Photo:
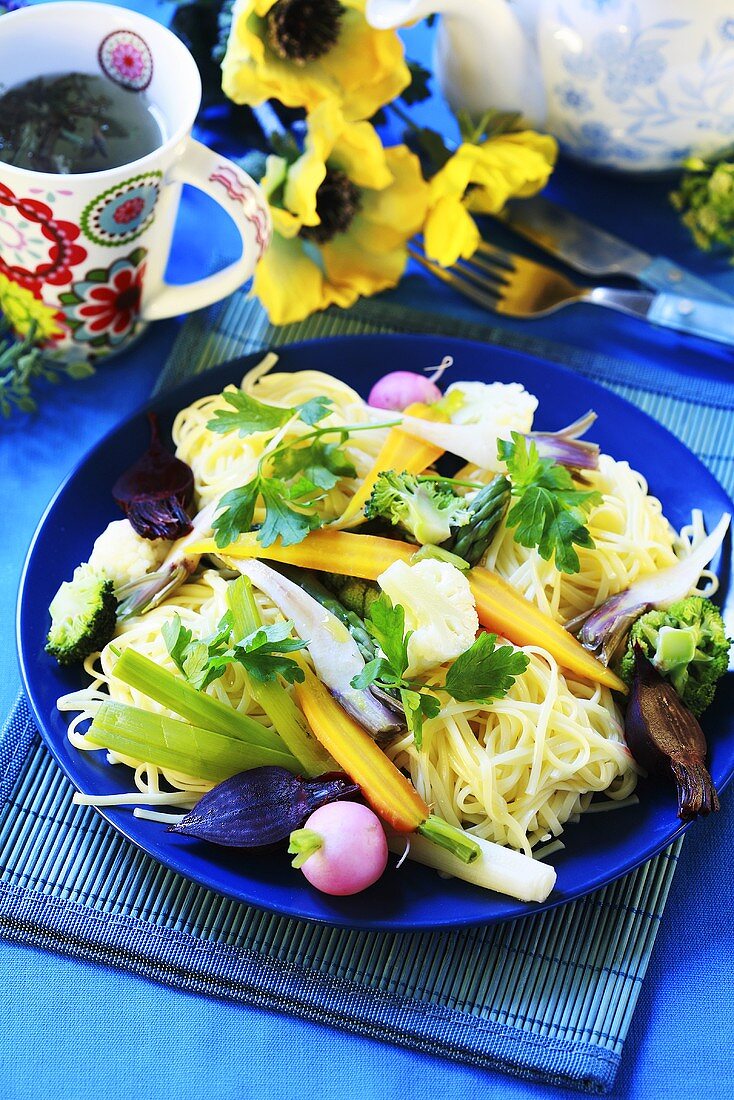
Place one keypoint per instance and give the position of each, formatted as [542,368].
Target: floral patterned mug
[83,255]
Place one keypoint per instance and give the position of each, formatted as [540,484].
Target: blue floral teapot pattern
[633,85]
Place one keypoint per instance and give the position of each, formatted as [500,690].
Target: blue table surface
[70,1029]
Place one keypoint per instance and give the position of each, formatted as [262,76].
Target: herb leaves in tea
[75,122]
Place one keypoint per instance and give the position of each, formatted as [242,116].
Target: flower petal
[449,232]
[288,283]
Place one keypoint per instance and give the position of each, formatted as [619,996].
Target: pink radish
[341,849]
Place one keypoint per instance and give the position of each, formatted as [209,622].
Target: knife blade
[594,252]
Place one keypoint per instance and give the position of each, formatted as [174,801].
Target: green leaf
[376,670]
[322,463]
[484,672]
[549,512]
[246,414]
[432,145]
[239,509]
[281,519]
[263,653]
[418,90]
[418,706]
[386,624]
[177,638]
[311,412]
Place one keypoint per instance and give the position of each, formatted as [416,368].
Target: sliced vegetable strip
[174,693]
[399,452]
[178,746]
[501,608]
[273,697]
[504,611]
[386,789]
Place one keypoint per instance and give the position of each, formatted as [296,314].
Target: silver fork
[506,283]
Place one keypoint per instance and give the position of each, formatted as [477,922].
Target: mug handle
[241,198]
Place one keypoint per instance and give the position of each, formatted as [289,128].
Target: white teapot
[634,85]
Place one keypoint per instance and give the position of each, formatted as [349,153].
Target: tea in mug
[76,122]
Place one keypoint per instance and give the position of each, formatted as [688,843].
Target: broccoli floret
[687,644]
[83,616]
[427,509]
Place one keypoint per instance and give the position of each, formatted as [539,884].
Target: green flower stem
[454,840]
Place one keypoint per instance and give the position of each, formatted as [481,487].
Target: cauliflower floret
[439,609]
[507,406]
[122,555]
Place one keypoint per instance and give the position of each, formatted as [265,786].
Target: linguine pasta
[513,771]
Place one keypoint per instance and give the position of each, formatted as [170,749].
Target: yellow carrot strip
[504,611]
[501,608]
[399,452]
[385,788]
[344,552]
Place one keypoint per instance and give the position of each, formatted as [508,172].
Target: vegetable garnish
[482,672]
[428,510]
[259,807]
[386,624]
[472,540]
[389,793]
[548,512]
[341,849]
[688,646]
[566,448]
[246,414]
[211,755]
[501,608]
[83,616]
[400,451]
[666,739]
[334,652]
[299,475]
[262,652]
[603,629]
[155,491]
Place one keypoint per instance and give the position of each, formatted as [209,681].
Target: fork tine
[496,255]
[485,297]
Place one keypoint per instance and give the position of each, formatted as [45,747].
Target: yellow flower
[342,216]
[302,52]
[22,309]
[481,178]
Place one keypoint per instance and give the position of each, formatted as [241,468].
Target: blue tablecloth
[70,1029]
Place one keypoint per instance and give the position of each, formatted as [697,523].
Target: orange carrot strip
[399,452]
[386,789]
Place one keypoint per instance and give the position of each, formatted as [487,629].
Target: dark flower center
[303,30]
[337,202]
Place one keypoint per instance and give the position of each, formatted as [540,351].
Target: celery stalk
[196,707]
[273,697]
[171,743]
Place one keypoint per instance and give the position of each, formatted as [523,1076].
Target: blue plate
[599,849]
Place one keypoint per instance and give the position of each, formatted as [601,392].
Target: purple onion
[260,806]
[565,447]
[155,491]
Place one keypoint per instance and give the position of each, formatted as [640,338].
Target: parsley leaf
[549,512]
[262,653]
[239,509]
[247,415]
[322,463]
[314,410]
[281,518]
[386,624]
[484,671]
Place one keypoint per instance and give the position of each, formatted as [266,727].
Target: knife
[594,252]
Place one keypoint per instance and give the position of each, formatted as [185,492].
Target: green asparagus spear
[355,594]
[471,541]
[310,583]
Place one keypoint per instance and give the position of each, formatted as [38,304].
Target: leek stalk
[273,697]
[178,746]
[196,707]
